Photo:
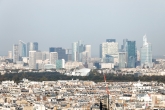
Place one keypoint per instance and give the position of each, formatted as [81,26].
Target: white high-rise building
[122,59]
[88,50]
[15,53]
[75,51]
[53,57]
[146,53]
[32,60]
[109,49]
[10,56]
[38,55]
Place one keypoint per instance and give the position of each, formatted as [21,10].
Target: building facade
[60,64]
[32,46]
[110,49]
[122,59]
[10,55]
[22,49]
[131,54]
[15,53]
[61,52]
[53,57]
[146,53]
[74,51]
[32,60]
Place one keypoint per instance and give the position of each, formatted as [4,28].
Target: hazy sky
[61,22]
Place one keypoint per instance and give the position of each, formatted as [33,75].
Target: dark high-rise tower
[61,52]
[131,54]
[110,40]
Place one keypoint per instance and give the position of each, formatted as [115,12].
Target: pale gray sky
[61,22]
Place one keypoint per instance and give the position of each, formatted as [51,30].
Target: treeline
[93,76]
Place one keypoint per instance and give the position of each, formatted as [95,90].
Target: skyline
[48,48]
[59,23]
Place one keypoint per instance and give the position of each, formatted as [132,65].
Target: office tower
[131,54]
[60,64]
[15,53]
[61,52]
[110,40]
[77,49]
[74,51]
[86,55]
[80,50]
[32,60]
[110,49]
[68,55]
[122,59]
[32,46]
[22,49]
[39,55]
[124,46]
[45,55]
[146,53]
[53,57]
[88,50]
[52,49]
[10,56]
[138,55]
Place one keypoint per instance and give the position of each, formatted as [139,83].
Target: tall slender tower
[32,60]
[22,49]
[146,53]
[131,54]
[53,57]
[15,53]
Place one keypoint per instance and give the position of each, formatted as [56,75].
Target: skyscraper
[15,53]
[10,55]
[53,57]
[61,52]
[22,49]
[124,46]
[32,46]
[75,51]
[86,55]
[109,49]
[122,59]
[52,49]
[32,60]
[88,50]
[146,53]
[131,54]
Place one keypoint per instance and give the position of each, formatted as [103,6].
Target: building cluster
[28,56]
[127,56]
[81,95]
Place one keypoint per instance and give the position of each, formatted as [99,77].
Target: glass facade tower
[22,49]
[131,54]
[146,53]
[32,46]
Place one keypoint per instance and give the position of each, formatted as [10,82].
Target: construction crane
[107,90]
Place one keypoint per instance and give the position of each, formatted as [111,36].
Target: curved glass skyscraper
[22,49]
